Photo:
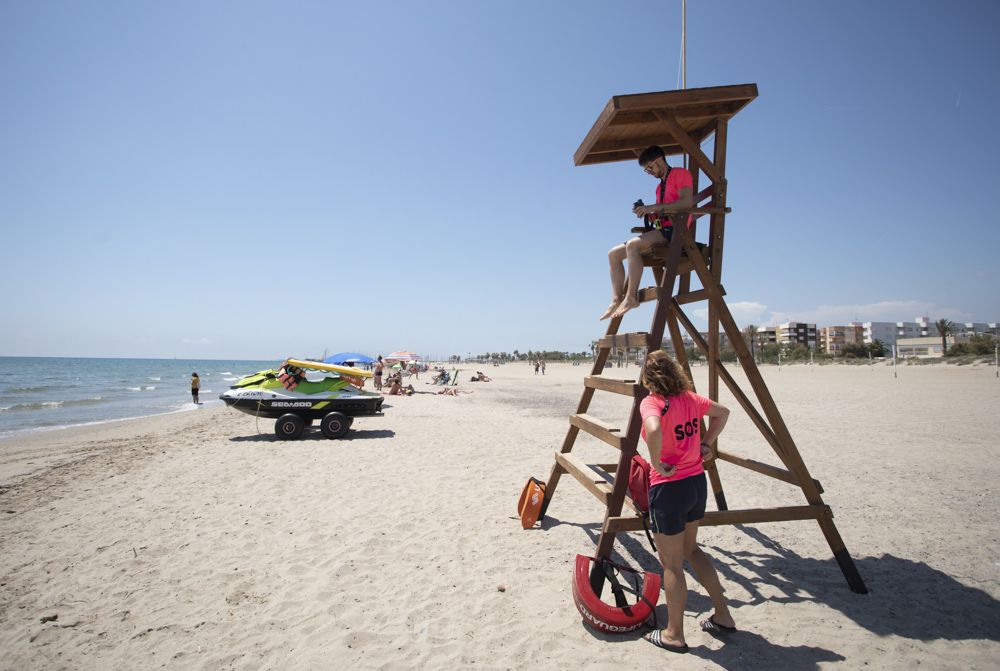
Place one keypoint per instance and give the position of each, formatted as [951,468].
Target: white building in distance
[882,331]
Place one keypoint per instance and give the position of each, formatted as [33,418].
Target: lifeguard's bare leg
[616,258]
[634,249]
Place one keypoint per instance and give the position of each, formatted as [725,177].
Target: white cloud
[196,341]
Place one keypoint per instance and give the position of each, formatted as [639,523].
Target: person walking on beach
[195,386]
[672,423]
[673,193]
[543,366]
[379,367]
[537,364]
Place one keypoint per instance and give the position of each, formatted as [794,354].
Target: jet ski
[287,395]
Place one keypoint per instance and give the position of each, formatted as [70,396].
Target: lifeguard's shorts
[673,504]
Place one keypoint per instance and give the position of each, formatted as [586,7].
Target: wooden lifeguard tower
[679,122]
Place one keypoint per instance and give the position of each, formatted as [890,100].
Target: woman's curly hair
[662,375]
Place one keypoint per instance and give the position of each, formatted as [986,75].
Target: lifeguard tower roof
[628,124]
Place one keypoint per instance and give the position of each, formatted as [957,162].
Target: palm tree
[750,333]
[945,328]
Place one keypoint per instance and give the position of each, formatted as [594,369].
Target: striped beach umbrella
[402,355]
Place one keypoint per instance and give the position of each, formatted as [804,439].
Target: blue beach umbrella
[348,357]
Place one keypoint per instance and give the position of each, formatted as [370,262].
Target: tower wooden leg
[843,557]
[716,482]
[681,356]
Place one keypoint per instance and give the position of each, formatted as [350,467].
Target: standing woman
[195,386]
[379,367]
[672,423]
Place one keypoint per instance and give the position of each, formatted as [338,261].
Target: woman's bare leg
[709,579]
[671,551]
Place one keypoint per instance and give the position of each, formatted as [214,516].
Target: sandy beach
[198,540]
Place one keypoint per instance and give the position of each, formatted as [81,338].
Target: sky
[261,180]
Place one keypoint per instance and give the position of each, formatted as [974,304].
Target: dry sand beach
[193,541]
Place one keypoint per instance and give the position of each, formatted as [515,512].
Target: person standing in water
[195,386]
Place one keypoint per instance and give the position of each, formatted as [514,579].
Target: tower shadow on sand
[908,598]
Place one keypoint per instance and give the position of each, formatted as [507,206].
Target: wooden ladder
[682,257]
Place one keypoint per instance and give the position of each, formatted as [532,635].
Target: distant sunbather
[453,391]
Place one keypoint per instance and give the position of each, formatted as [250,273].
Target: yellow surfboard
[331,368]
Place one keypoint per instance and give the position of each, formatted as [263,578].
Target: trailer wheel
[335,425]
[289,427]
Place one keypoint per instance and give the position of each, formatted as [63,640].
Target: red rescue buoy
[610,619]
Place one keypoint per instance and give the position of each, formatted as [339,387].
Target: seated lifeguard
[674,193]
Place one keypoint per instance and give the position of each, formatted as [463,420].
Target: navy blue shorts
[673,504]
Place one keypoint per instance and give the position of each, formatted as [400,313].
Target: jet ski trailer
[286,395]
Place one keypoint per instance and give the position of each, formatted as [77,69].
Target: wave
[48,405]
[28,390]
[146,388]
[227,372]
[154,379]
[230,379]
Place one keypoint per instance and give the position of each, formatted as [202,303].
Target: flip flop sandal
[712,627]
[655,638]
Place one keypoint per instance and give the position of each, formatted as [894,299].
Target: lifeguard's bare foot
[626,305]
[611,309]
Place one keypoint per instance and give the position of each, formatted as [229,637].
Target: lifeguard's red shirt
[681,429]
[669,191]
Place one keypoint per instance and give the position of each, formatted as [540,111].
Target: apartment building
[977,328]
[911,330]
[767,335]
[881,331]
[797,332]
[833,338]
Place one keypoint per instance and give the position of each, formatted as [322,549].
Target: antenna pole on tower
[684,71]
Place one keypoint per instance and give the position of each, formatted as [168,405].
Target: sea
[42,393]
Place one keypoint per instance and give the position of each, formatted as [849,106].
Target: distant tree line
[980,344]
[791,352]
[516,355]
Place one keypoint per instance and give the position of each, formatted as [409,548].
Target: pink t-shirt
[681,429]
[670,190]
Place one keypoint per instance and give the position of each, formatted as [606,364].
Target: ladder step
[624,340]
[648,294]
[696,296]
[720,517]
[622,523]
[625,387]
[598,429]
[586,477]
